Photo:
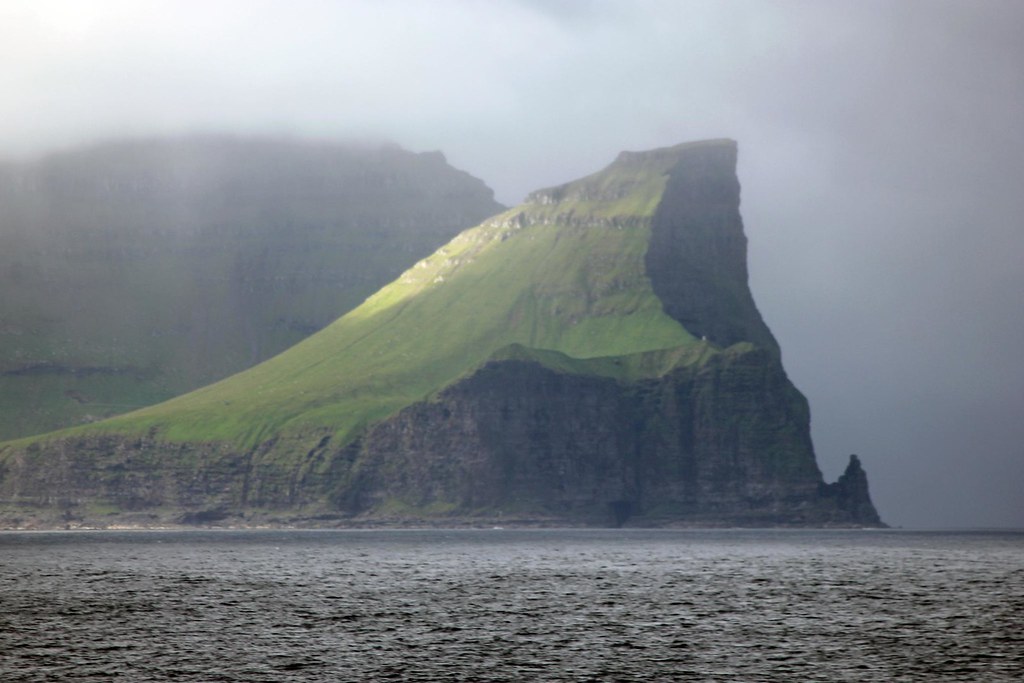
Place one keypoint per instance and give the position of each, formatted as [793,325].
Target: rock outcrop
[591,357]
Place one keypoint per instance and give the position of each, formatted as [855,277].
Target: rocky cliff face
[724,443]
[573,415]
[697,260]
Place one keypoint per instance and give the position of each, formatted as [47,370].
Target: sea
[512,605]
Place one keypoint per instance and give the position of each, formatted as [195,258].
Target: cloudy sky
[881,157]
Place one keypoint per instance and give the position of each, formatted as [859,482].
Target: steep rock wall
[725,443]
[697,258]
[135,271]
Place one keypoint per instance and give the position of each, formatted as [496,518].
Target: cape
[592,356]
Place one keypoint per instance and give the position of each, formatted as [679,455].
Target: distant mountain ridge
[592,356]
[133,271]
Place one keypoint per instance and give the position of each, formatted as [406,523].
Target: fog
[881,158]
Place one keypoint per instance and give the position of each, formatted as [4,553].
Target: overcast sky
[881,158]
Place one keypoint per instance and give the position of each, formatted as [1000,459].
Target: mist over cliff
[137,270]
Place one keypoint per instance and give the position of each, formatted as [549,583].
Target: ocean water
[511,605]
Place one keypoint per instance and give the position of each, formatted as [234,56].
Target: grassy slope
[564,273]
[136,271]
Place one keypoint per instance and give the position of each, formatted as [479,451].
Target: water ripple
[511,606]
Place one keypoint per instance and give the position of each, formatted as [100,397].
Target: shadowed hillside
[136,271]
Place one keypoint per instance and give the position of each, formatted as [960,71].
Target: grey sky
[881,156]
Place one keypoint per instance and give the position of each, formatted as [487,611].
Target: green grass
[226,252]
[624,368]
[562,283]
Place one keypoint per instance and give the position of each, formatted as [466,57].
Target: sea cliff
[591,357]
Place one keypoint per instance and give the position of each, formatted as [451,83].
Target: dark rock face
[725,444]
[513,436]
[103,480]
[697,260]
